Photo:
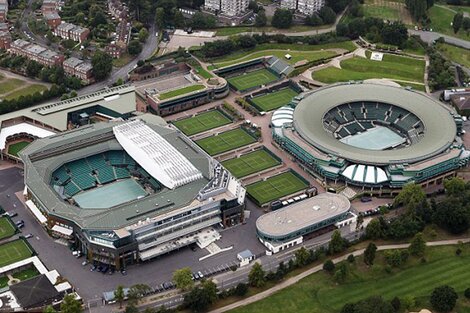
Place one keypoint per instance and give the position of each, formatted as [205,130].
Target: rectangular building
[78,68]
[52,19]
[49,6]
[70,31]
[5,40]
[37,53]
[227,7]
[306,7]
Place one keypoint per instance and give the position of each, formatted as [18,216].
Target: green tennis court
[14,251]
[7,229]
[253,79]
[274,100]
[110,195]
[14,148]
[250,163]
[202,122]
[275,187]
[226,141]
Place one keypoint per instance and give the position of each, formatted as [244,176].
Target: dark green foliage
[443,298]
[327,15]
[102,65]
[369,253]
[282,18]
[374,304]
[134,47]
[329,266]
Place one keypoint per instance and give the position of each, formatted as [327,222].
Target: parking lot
[91,284]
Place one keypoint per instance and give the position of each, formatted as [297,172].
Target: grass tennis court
[253,79]
[110,195]
[275,187]
[202,122]
[250,163]
[13,149]
[7,229]
[274,100]
[226,141]
[14,251]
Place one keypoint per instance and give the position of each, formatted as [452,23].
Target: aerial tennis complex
[372,136]
[129,191]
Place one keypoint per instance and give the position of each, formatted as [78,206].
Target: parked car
[366,199]
[28,236]
[19,222]
[201,276]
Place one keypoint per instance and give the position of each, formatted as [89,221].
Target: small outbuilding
[245,257]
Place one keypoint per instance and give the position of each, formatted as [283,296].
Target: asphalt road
[429,37]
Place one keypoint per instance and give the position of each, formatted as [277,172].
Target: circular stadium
[368,134]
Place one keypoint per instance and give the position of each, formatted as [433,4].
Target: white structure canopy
[365,174]
[282,116]
[156,155]
[22,128]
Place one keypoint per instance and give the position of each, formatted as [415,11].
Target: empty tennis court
[110,195]
[377,138]
[14,251]
[202,122]
[250,163]
[226,141]
[275,187]
[253,79]
[274,100]
[6,228]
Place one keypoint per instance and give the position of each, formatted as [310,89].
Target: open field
[456,54]
[202,122]
[226,141]
[392,67]
[250,163]
[6,228]
[10,84]
[28,90]
[387,10]
[275,187]
[14,251]
[13,149]
[441,19]
[229,31]
[252,79]
[181,91]
[263,49]
[274,100]
[319,293]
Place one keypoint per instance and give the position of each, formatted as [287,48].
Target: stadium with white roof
[372,136]
[129,191]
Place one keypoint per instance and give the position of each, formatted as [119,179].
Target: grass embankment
[229,31]
[392,67]
[441,21]
[181,91]
[456,54]
[319,293]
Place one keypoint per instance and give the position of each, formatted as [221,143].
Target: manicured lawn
[26,274]
[441,20]
[250,163]
[229,31]
[3,281]
[414,86]
[202,72]
[392,67]
[252,79]
[13,149]
[384,10]
[275,187]
[319,293]
[29,90]
[283,49]
[181,91]
[6,228]
[202,122]
[456,54]
[274,100]
[9,84]
[14,251]
[226,141]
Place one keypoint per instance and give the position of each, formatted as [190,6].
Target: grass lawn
[229,31]
[6,228]
[9,84]
[319,293]
[26,274]
[29,90]
[252,79]
[282,49]
[14,251]
[3,282]
[392,67]
[181,91]
[13,149]
[250,163]
[372,9]
[123,60]
[226,141]
[202,122]
[202,72]
[418,87]
[456,54]
[441,19]
[274,100]
[275,187]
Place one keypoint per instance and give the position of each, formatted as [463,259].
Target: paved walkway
[291,281]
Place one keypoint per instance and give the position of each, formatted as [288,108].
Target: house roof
[34,292]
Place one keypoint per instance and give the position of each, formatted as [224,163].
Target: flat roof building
[287,226]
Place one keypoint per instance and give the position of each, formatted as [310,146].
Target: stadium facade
[288,226]
[371,136]
[129,191]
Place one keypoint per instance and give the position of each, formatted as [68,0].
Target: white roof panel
[22,128]
[156,155]
[370,174]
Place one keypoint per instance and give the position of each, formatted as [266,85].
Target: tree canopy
[282,18]
[443,298]
[183,278]
[102,64]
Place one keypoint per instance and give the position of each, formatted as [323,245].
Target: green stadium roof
[440,128]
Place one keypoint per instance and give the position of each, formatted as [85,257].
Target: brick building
[72,32]
[5,40]
[49,6]
[78,68]
[37,53]
[52,19]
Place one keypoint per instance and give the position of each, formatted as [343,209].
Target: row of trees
[418,8]
[440,71]
[460,22]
